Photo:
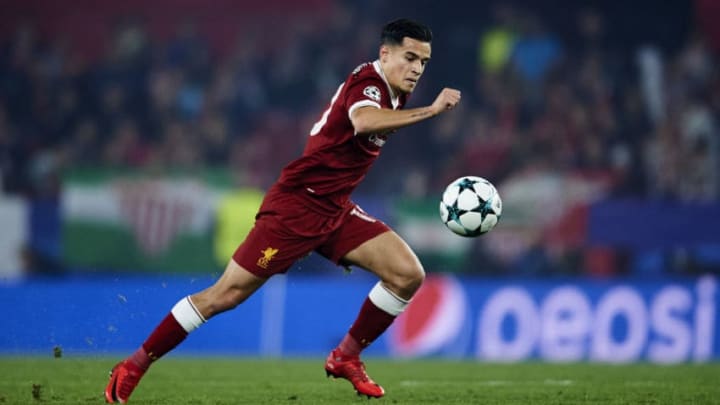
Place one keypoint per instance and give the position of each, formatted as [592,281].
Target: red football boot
[124,377]
[353,370]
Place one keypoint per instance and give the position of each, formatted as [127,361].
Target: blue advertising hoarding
[664,320]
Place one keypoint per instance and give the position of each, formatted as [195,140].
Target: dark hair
[394,32]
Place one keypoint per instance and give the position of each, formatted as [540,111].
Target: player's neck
[394,93]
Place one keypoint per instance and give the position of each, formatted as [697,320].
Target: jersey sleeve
[366,92]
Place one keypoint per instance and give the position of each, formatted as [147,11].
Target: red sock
[141,359]
[369,325]
[168,334]
[349,346]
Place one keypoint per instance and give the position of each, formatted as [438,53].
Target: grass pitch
[213,381]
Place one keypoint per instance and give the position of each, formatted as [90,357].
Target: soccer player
[309,209]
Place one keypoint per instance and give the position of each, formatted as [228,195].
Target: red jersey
[336,159]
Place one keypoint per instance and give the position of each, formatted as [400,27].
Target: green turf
[208,381]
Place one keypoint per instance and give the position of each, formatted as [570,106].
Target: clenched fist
[446,100]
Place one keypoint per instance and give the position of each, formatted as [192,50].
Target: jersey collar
[393,97]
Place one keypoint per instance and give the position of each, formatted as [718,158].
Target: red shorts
[287,230]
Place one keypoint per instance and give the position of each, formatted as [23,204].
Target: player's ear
[384,52]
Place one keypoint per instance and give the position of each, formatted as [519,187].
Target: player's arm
[370,120]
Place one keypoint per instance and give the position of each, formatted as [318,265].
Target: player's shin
[182,319]
[378,312]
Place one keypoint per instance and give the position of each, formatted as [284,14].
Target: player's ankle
[141,359]
[349,347]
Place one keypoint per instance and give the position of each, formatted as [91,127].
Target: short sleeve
[365,93]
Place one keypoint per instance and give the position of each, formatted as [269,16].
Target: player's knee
[407,278]
[415,279]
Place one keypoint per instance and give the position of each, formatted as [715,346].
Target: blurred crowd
[546,96]
[571,98]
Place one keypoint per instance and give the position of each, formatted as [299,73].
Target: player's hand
[446,100]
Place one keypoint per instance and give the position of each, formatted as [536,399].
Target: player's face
[404,64]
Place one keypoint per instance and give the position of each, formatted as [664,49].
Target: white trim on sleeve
[362,103]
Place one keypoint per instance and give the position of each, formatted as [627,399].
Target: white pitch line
[491,383]
[558,382]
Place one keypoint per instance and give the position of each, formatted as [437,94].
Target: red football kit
[309,207]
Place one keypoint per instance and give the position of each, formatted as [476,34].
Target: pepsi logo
[433,320]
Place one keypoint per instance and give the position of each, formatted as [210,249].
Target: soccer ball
[470,206]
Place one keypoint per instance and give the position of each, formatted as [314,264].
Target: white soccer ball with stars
[470,206]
